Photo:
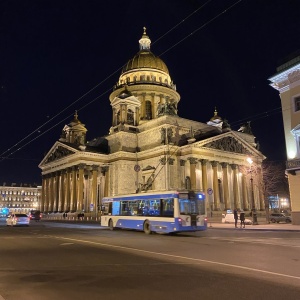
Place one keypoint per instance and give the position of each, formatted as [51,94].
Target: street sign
[210,191]
[91,207]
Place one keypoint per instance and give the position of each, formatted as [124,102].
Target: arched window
[130,117]
[148,109]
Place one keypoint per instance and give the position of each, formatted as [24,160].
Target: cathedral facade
[150,147]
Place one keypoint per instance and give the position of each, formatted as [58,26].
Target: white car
[17,220]
[229,218]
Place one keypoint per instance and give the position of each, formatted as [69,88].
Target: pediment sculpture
[229,144]
[59,152]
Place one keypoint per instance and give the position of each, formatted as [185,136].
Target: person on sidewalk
[235,215]
[242,218]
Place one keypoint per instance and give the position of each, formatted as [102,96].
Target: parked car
[35,215]
[229,218]
[17,220]
[280,217]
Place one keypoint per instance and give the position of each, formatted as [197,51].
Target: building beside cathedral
[19,198]
[150,147]
[287,82]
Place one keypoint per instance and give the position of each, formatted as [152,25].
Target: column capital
[95,167]
[224,165]
[81,166]
[192,160]
[234,166]
[171,161]
[214,163]
[182,162]
[103,169]
[203,161]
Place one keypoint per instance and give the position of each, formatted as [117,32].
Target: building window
[148,110]
[130,117]
[297,103]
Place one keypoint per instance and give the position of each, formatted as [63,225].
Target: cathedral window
[297,103]
[148,110]
[130,117]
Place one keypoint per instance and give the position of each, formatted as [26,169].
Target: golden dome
[145,58]
[216,117]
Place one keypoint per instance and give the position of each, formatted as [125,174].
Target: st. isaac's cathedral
[150,147]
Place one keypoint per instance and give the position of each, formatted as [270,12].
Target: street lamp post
[253,210]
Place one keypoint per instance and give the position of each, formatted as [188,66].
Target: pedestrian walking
[242,218]
[236,217]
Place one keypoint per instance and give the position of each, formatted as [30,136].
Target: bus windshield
[191,207]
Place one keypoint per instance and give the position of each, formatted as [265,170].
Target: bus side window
[167,207]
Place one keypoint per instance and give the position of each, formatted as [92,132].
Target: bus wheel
[147,229]
[111,224]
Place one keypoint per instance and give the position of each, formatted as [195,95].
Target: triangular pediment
[229,142]
[58,151]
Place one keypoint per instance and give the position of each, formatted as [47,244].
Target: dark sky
[60,56]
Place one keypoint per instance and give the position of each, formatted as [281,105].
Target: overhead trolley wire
[3,156]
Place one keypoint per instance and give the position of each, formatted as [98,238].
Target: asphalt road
[50,260]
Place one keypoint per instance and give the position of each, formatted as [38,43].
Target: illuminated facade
[150,147]
[19,199]
[287,82]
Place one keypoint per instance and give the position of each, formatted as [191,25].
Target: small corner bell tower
[74,132]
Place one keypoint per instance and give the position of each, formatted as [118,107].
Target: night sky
[60,56]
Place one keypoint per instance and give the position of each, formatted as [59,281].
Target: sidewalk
[261,226]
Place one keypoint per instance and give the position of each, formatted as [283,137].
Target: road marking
[178,256]
[66,244]
[270,241]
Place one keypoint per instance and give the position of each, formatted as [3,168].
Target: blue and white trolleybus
[161,212]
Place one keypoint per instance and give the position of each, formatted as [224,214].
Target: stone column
[204,179]
[104,171]
[137,117]
[143,106]
[244,193]
[182,173]
[193,162]
[42,196]
[153,108]
[60,184]
[216,185]
[73,199]
[45,189]
[235,186]
[114,117]
[67,193]
[51,193]
[225,185]
[94,187]
[80,187]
